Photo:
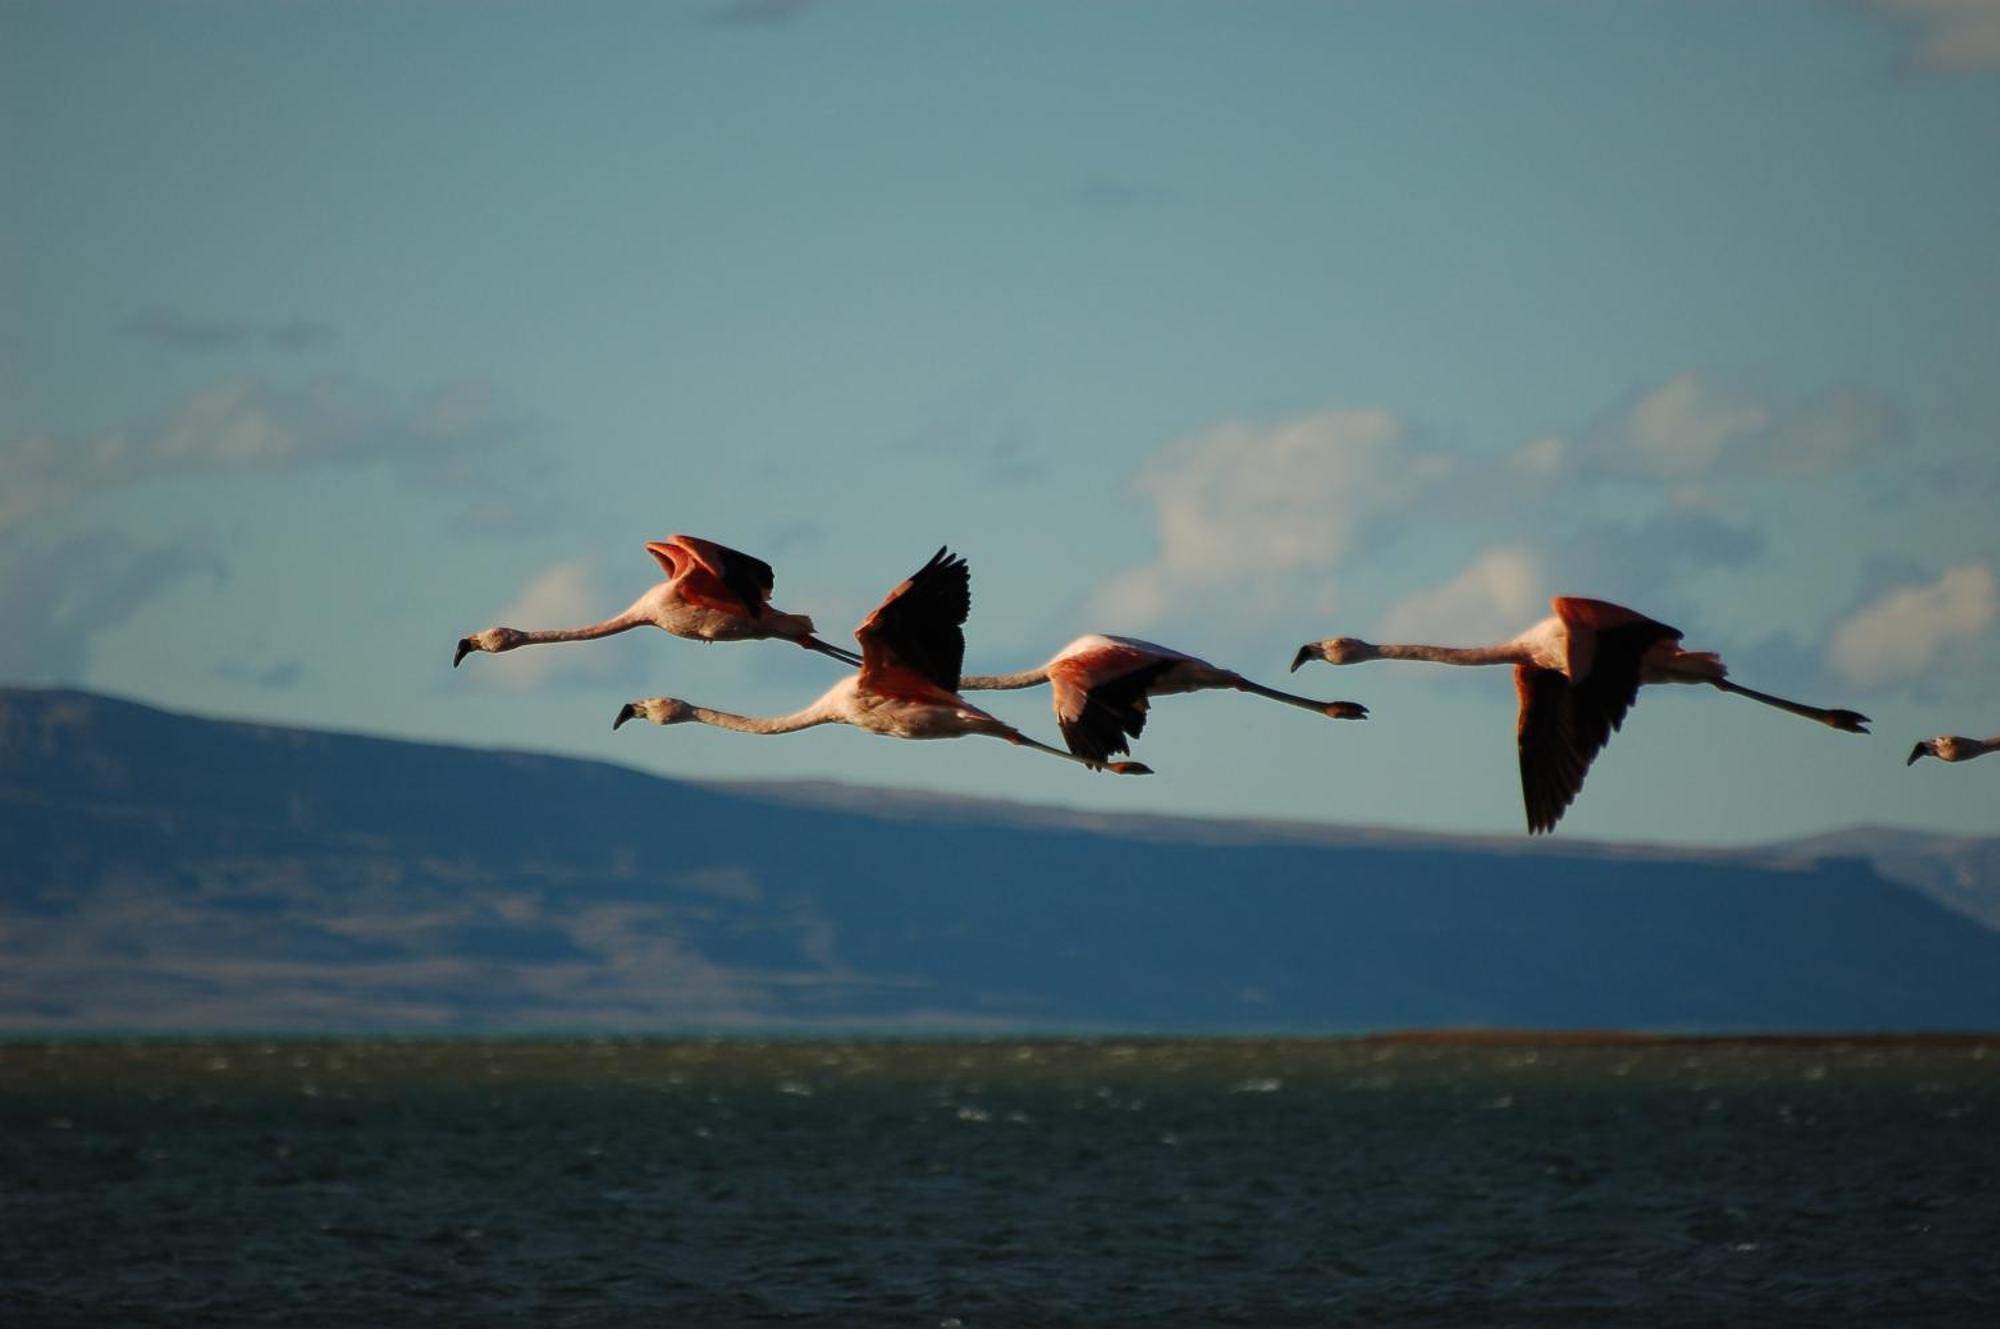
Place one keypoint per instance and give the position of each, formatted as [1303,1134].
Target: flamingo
[1576,675]
[1953,747]
[911,649]
[712,593]
[1100,687]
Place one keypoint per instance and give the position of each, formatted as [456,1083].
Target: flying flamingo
[1100,686]
[911,649]
[1576,675]
[1953,747]
[712,593]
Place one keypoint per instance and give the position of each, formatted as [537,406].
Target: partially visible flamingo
[1576,675]
[1100,687]
[1953,747]
[712,593]
[911,650]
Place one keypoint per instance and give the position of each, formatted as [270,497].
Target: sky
[330,332]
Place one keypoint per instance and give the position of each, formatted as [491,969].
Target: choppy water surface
[1065,1183]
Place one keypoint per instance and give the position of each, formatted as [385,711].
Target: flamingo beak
[1306,652]
[1920,750]
[626,712]
[464,649]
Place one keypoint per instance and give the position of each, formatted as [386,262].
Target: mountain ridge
[174,871]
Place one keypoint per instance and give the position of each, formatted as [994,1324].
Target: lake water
[1101,1183]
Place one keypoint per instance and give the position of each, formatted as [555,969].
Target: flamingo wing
[1557,744]
[1100,698]
[1565,722]
[714,575]
[919,628]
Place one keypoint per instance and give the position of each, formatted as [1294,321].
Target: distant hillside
[162,871]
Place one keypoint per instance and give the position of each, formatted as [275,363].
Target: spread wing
[1564,723]
[1556,749]
[715,575]
[919,628]
[1100,699]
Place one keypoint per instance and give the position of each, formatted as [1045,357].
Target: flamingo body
[711,593]
[1576,675]
[1100,686]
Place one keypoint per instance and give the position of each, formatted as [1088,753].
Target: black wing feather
[1113,711]
[922,622]
[750,578]
[1564,725]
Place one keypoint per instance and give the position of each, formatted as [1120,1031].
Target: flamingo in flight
[1576,674]
[1100,687]
[1953,747]
[911,650]
[712,593]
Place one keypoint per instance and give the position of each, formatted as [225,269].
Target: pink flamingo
[1576,675]
[911,649]
[1100,687]
[712,593]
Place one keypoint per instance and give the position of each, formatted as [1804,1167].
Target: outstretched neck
[815,714]
[624,622]
[1027,678]
[1504,653]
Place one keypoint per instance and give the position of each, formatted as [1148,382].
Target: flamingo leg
[1852,722]
[1020,739]
[1337,710]
[824,648]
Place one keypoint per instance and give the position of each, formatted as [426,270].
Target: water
[1000,1183]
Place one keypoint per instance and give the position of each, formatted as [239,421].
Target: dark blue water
[977,1184]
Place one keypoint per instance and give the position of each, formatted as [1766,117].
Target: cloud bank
[1245,514]
[1908,631]
[54,597]
[444,439]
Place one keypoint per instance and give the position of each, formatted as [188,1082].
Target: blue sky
[329,332]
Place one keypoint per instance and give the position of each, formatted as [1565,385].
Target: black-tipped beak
[626,712]
[1920,750]
[464,649]
[1306,653]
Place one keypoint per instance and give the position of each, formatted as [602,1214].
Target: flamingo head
[1946,747]
[660,710]
[1336,650]
[492,640]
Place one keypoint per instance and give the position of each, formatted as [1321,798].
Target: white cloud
[1542,457]
[55,599]
[1499,593]
[1901,634]
[442,439]
[563,595]
[1242,508]
[1953,36]
[1683,427]
[1692,427]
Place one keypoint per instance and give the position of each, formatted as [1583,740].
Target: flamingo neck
[1503,653]
[1026,678]
[624,622]
[816,714]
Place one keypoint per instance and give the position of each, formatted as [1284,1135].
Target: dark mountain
[162,871]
